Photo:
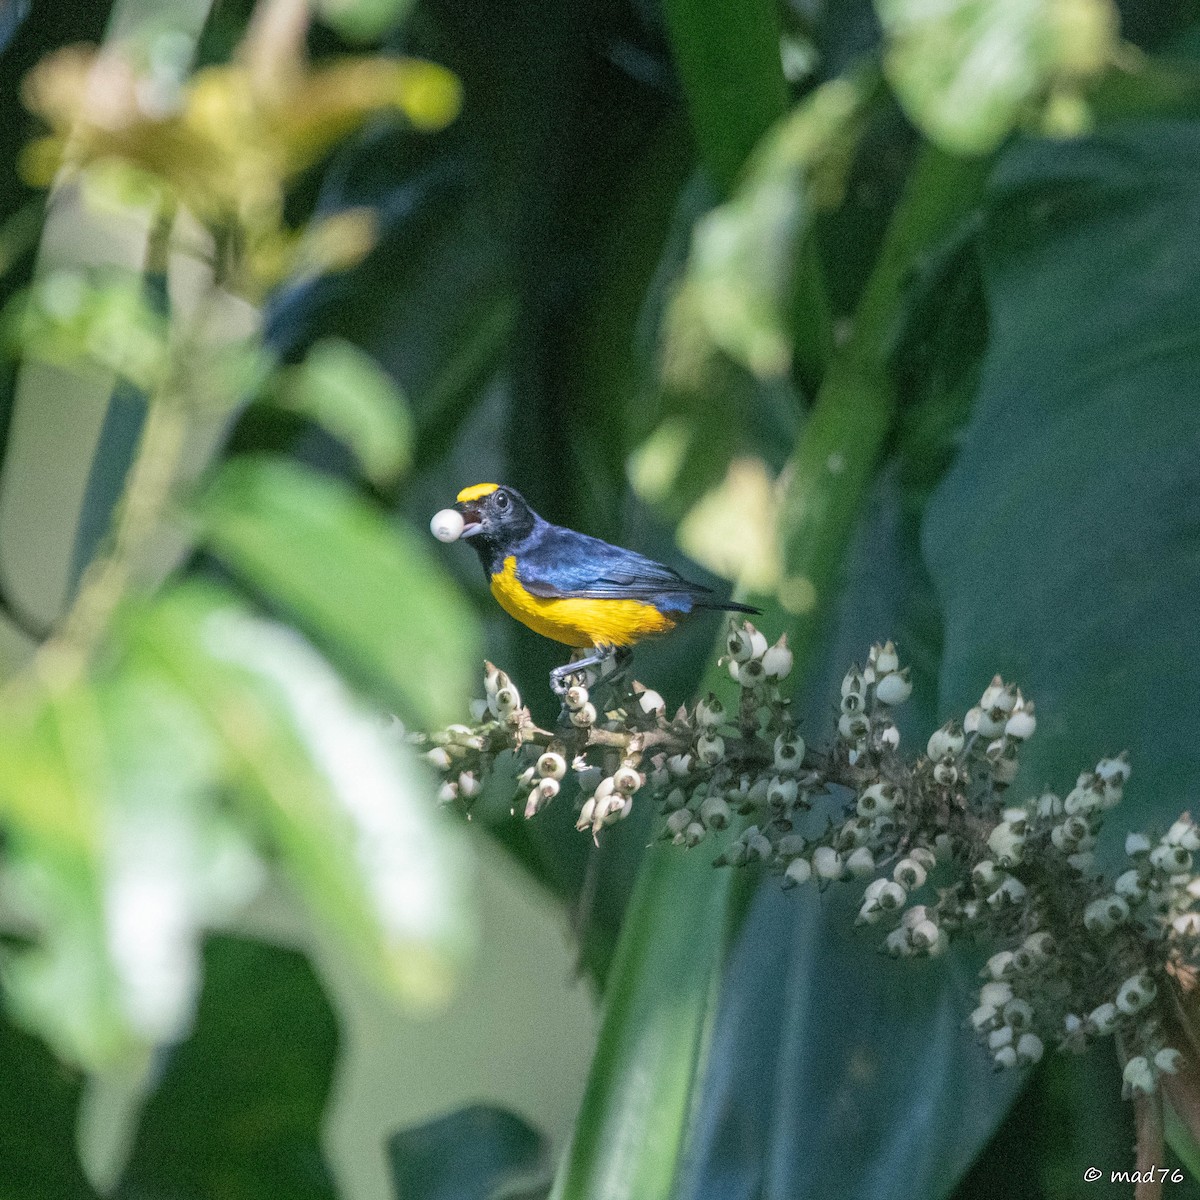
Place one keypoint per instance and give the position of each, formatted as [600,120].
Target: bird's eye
[501,500]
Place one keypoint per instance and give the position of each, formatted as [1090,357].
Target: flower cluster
[939,848]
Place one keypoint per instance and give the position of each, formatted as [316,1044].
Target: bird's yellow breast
[577,622]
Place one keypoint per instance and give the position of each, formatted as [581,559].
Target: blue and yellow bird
[568,586]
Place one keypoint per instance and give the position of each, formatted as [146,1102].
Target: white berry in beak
[447,525]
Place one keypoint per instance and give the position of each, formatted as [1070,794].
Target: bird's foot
[561,677]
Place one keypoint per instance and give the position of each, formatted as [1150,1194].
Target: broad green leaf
[835,1071]
[477,1153]
[969,71]
[239,1106]
[338,797]
[1063,543]
[116,861]
[728,56]
[745,253]
[343,389]
[630,1132]
[367,591]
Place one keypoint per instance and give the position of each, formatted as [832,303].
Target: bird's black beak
[472,517]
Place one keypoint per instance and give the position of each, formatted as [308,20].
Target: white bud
[897,944]
[983,1018]
[469,785]
[996,994]
[1183,833]
[1022,724]
[891,895]
[588,812]
[1174,860]
[989,724]
[1168,1060]
[1040,944]
[758,641]
[710,750]
[1103,1019]
[827,863]
[971,720]
[506,700]
[777,662]
[1010,891]
[576,697]
[782,793]
[1129,884]
[997,695]
[714,812]
[884,659]
[1000,964]
[447,525]
[1139,1075]
[758,845]
[1001,1037]
[584,716]
[738,645]
[1083,861]
[548,789]
[1105,914]
[985,875]
[1136,844]
[693,835]
[1114,769]
[448,792]
[860,862]
[945,743]
[853,690]
[925,935]
[626,780]
[909,874]
[710,712]
[1048,805]
[853,726]
[478,709]
[651,703]
[1135,993]
[751,674]
[439,756]
[678,821]
[789,754]
[680,765]
[552,765]
[798,871]
[945,773]
[1187,924]
[1029,1049]
[894,688]
[877,799]
[1083,800]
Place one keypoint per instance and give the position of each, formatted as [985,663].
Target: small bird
[568,586]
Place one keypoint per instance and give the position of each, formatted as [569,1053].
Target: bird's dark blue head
[497,519]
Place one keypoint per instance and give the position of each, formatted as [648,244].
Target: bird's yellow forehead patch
[476,491]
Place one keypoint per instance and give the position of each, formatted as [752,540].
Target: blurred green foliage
[883,312]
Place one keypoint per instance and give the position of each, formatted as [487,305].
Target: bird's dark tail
[729,606]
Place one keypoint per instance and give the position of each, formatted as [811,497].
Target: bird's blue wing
[556,563]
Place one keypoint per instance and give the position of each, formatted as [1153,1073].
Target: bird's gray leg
[560,675]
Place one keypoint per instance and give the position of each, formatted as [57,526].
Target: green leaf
[1065,541]
[745,253]
[727,52]
[835,1070]
[630,1132]
[969,71]
[239,1108]
[116,861]
[338,797]
[346,391]
[476,1153]
[367,591]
